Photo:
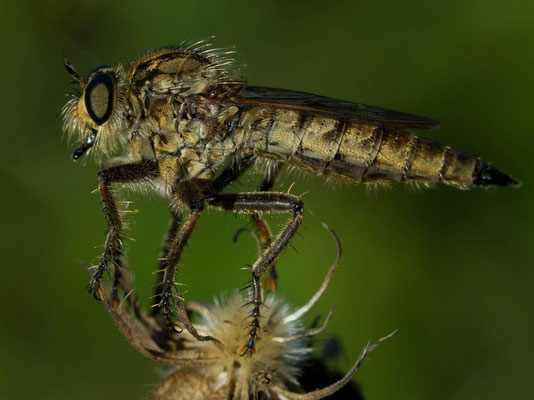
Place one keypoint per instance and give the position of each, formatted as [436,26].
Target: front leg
[262,202]
[126,173]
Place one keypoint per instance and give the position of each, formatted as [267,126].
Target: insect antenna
[72,71]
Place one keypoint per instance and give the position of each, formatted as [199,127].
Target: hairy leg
[126,173]
[176,222]
[262,202]
[180,231]
[168,296]
[262,226]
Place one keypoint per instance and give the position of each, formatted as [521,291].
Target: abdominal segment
[358,153]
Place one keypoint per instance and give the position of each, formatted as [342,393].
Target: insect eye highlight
[99,97]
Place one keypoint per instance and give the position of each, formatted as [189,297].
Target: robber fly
[188,125]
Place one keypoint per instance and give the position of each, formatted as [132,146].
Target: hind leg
[262,202]
[264,230]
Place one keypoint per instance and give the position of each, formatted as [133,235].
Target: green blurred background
[451,270]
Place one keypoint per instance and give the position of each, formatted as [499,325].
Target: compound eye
[100,97]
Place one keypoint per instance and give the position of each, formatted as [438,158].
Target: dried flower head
[207,357]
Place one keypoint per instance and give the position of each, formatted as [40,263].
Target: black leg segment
[127,173]
[263,202]
[176,222]
[264,231]
[168,296]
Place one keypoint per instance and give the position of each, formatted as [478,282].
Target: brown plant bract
[215,369]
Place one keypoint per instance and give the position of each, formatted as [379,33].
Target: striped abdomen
[364,153]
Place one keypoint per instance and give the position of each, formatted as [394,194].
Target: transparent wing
[339,109]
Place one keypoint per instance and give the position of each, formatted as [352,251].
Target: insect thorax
[190,140]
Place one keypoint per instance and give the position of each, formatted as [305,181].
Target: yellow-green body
[185,109]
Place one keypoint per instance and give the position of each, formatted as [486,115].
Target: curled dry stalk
[206,357]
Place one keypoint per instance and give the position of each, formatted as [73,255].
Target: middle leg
[192,196]
[176,222]
[166,289]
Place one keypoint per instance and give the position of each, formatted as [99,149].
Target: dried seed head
[279,350]
[213,368]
